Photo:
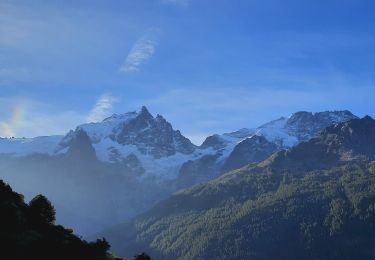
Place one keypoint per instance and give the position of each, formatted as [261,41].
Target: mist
[88,196]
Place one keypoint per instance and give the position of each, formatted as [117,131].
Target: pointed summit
[367,118]
[144,113]
[80,147]
[305,125]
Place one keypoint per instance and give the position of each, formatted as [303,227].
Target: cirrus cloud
[102,109]
[141,52]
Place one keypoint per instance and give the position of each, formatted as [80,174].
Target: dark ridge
[27,231]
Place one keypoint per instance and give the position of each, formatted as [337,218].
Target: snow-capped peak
[110,125]
[116,118]
[113,125]
[160,149]
[276,132]
[242,133]
[284,131]
[25,146]
[121,134]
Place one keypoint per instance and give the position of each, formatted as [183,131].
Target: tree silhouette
[142,256]
[41,207]
[101,246]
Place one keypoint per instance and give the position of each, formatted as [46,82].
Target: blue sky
[208,66]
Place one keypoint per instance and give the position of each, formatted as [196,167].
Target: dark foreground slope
[28,232]
[316,201]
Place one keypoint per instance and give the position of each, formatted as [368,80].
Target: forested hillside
[315,201]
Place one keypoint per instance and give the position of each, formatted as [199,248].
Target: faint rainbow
[8,128]
[17,115]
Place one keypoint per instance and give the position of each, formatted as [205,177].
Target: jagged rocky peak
[153,136]
[357,135]
[359,126]
[305,125]
[328,116]
[285,132]
[122,133]
[145,114]
[131,128]
[338,143]
[79,146]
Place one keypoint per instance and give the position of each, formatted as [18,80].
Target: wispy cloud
[141,52]
[102,109]
[26,55]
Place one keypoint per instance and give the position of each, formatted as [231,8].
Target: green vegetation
[313,201]
[256,214]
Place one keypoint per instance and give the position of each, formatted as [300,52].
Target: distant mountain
[285,131]
[134,138]
[156,149]
[337,144]
[237,149]
[140,131]
[136,160]
[27,146]
[252,149]
[314,201]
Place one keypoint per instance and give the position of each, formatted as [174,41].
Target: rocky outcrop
[337,144]
[252,149]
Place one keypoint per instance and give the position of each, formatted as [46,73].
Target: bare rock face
[268,205]
[198,171]
[153,136]
[252,149]
[80,147]
[305,125]
[214,141]
[245,146]
[337,144]
[138,159]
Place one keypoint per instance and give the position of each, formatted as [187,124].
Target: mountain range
[313,201]
[151,144]
[129,162]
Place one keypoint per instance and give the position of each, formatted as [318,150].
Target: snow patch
[27,146]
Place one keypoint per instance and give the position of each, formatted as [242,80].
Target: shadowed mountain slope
[315,201]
